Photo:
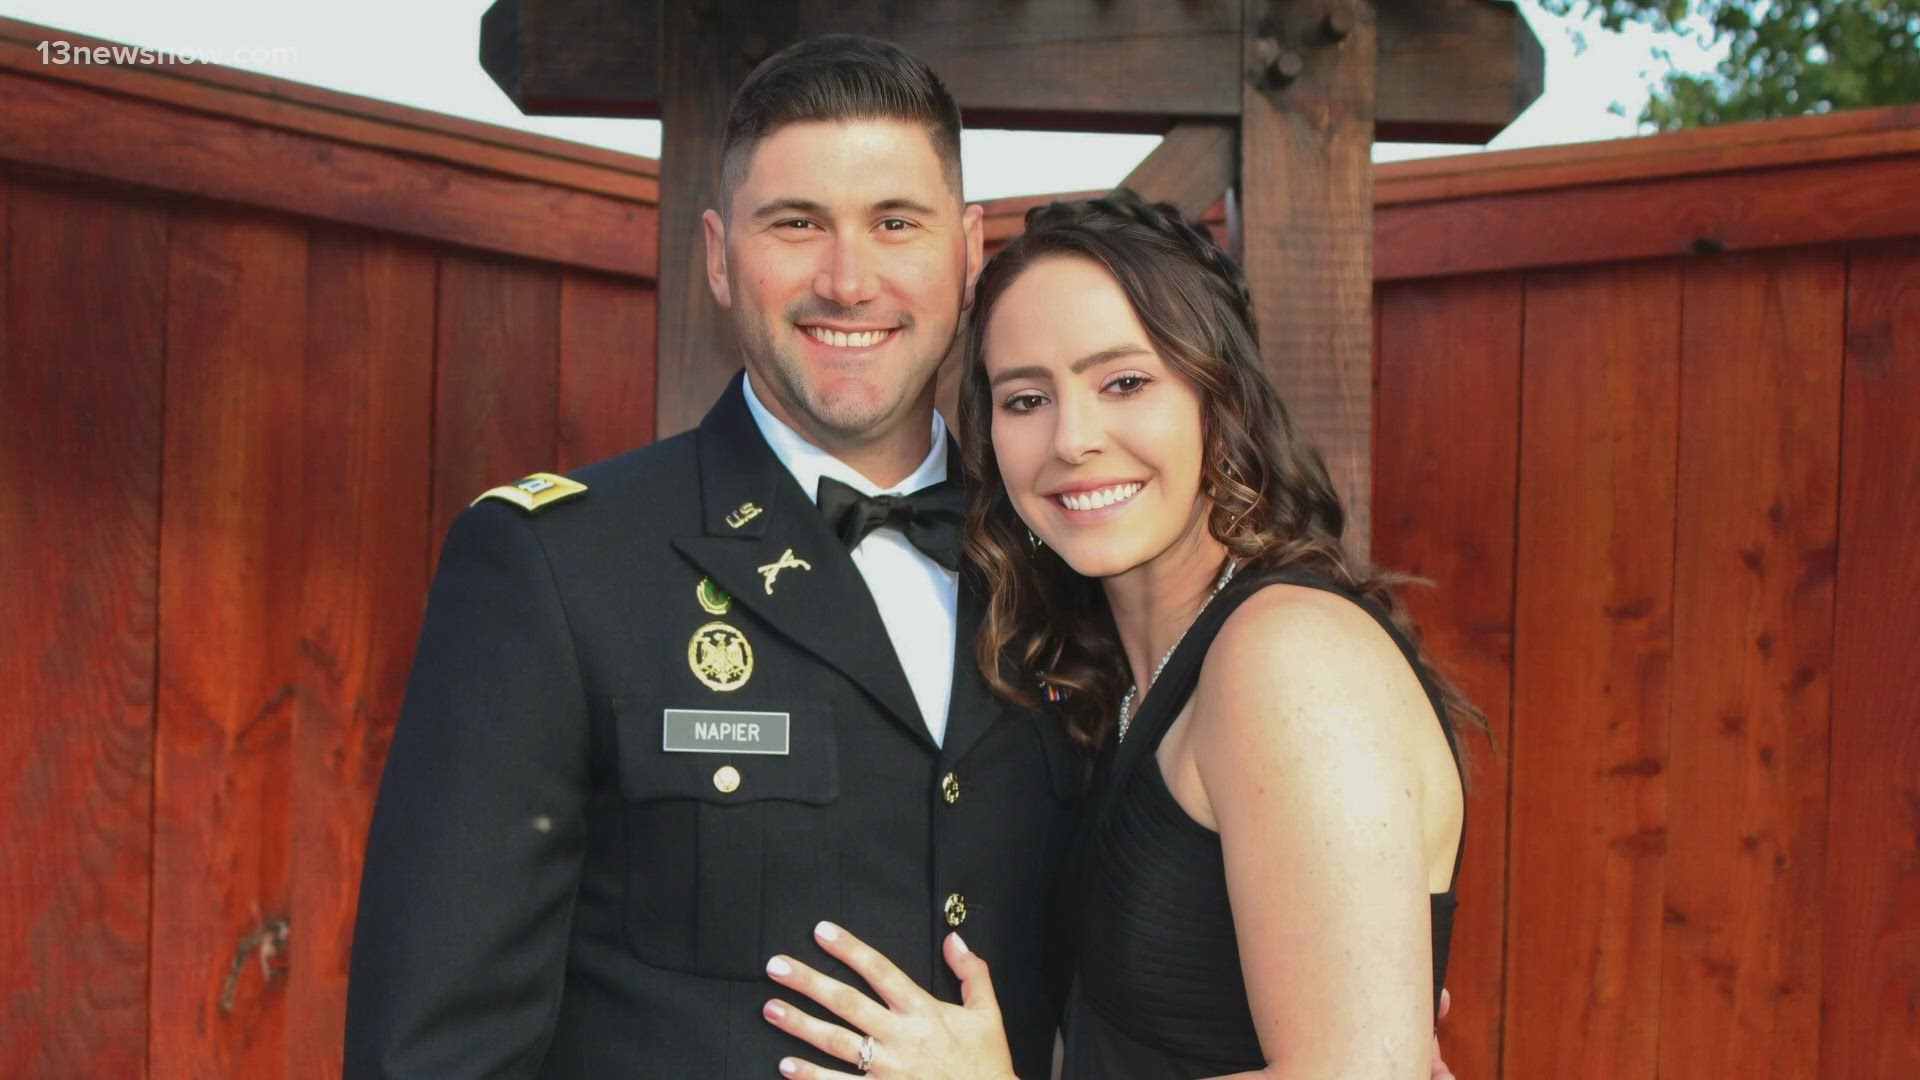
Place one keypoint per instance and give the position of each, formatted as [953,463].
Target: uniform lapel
[765,543]
[973,708]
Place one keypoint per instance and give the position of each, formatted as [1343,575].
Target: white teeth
[841,339]
[1094,500]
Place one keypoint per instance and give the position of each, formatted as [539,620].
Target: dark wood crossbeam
[1448,70]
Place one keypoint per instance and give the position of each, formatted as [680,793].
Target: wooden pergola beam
[1448,70]
[1193,166]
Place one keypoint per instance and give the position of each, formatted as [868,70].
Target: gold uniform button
[956,909]
[726,779]
[950,788]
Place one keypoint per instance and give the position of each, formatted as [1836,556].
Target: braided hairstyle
[1272,504]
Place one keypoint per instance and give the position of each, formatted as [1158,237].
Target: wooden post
[707,48]
[1306,135]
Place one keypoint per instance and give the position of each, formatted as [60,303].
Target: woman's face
[1099,440]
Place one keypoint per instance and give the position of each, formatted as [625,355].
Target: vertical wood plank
[1871,1025]
[232,518]
[1306,197]
[82,288]
[1449,384]
[496,351]
[606,366]
[367,410]
[1593,628]
[1753,634]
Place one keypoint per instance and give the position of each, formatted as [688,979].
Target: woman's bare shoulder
[1293,657]
[1299,626]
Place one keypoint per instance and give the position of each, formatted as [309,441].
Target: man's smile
[849,339]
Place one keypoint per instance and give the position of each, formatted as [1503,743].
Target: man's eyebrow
[885,206]
[790,205]
[1111,352]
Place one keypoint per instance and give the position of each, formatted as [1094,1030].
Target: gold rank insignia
[713,598]
[720,657]
[536,492]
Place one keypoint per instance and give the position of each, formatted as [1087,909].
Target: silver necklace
[1126,700]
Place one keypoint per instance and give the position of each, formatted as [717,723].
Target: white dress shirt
[917,597]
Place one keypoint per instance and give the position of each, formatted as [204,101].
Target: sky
[423,53]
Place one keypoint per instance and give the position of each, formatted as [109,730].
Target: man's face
[846,260]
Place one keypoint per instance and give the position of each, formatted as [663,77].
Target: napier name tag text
[722,731]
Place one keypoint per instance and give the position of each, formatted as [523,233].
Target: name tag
[722,731]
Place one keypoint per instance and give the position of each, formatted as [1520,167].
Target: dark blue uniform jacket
[551,891]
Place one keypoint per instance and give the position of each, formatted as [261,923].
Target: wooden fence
[1646,415]
[258,344]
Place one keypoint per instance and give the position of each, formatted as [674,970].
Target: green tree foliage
[1785,57]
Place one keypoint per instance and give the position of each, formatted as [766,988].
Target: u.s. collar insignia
[720,656]
[713,598]
[536,492]
[786,561]
[747,512]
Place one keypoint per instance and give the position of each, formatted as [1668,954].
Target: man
[669,713]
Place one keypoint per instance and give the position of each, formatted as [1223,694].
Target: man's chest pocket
[730,839]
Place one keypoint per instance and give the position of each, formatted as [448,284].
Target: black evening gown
[1157,989]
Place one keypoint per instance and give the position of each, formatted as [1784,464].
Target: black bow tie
[929,518]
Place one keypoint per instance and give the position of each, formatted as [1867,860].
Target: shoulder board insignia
[536,492]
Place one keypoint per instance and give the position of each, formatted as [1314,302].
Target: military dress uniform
[654,732]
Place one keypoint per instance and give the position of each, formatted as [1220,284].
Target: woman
[1265,879]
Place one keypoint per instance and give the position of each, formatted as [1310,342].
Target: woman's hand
[914,1034]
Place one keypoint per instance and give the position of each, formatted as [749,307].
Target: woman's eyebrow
[1111,352]
[1028,372]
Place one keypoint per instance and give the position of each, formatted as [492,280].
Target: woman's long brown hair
[1273,505]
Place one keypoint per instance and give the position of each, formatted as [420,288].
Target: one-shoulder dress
[1157,989]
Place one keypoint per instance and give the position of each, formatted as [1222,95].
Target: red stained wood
[366,418]
[1872,972]
[279,103]
[1593,632]
[1444,475]
[64,126]
[606,367]
[1832,137]
[1753,639]
[1718,211]
[82,283]
[232,525]
[1306,238]
[497,358]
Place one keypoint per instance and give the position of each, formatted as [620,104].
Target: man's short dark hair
[831,78]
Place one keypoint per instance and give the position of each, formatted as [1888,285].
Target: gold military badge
[720,656]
